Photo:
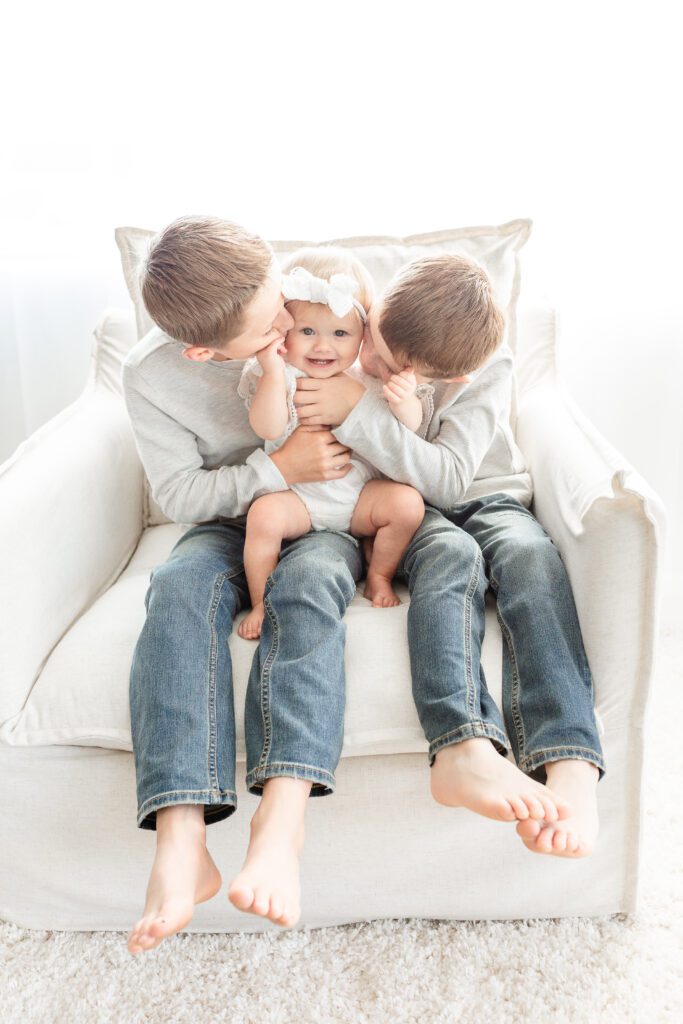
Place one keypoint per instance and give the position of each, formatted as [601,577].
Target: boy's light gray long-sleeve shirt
[464,448]
[192,430]
[204,461]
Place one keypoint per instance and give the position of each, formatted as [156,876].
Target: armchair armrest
[70,518]
[608,525]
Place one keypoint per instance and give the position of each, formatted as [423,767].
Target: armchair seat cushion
[81,696]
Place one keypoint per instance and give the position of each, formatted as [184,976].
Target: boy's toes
[535,807]
[573,842]
[544,841]
[289,917]
[261,903]
[563,807]
[277,908]
[241,896]
[519,807]
[550,808]
[528,830]
[559,842]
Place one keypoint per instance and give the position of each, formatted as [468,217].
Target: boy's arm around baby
[442,468]
[184,489]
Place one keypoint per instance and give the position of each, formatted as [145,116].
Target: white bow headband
[337,293]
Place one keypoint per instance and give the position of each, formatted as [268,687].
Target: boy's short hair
[326,260]
[439,314]
[199,276]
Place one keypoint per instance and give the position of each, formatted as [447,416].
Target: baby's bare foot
[473,774]
[268,884]
[250,626]
[378,589]
[183,874]
[575,835]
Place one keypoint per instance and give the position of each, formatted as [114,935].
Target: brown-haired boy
[213,289]
[434,340]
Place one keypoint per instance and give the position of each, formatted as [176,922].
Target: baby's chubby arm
[269,414]
[399,391]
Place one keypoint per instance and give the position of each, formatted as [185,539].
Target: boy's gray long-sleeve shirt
[464,448]
[201,456]
[204,461]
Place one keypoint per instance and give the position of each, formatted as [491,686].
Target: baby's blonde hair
[326,260]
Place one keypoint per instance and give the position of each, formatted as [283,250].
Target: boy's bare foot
[183,874]
[575,835]
[473,774]
[268,884]
[250,626]
[378,589]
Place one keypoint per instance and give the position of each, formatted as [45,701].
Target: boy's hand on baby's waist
[310,455]
[327,401]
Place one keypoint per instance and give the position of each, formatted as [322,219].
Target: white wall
[315,120]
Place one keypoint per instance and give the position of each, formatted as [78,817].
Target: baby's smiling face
[320,343]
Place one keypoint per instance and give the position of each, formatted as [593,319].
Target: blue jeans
[181,695]
[547,685]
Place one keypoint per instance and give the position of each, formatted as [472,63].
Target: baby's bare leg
[271,519]
[391,513]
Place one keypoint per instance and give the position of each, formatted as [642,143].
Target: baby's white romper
[330,503]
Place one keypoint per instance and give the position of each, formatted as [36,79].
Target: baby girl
[329,294]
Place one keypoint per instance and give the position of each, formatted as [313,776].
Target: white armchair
[77,552]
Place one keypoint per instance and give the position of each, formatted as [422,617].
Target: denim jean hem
[471,730]
[218,804]
[323,782]
[531,762]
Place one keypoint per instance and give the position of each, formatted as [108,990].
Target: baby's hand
[400,386]
[270,357]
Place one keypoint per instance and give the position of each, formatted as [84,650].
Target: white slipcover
[76,556]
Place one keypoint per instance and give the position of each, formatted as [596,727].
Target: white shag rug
[593,970]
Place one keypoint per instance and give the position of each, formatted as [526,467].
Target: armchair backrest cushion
[496,248]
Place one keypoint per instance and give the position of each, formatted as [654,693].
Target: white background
[315,120]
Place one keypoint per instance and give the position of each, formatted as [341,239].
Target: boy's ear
[198,353]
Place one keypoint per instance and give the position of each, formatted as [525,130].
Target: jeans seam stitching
[474,579]
[515,710]
[265,679]
[219,582]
